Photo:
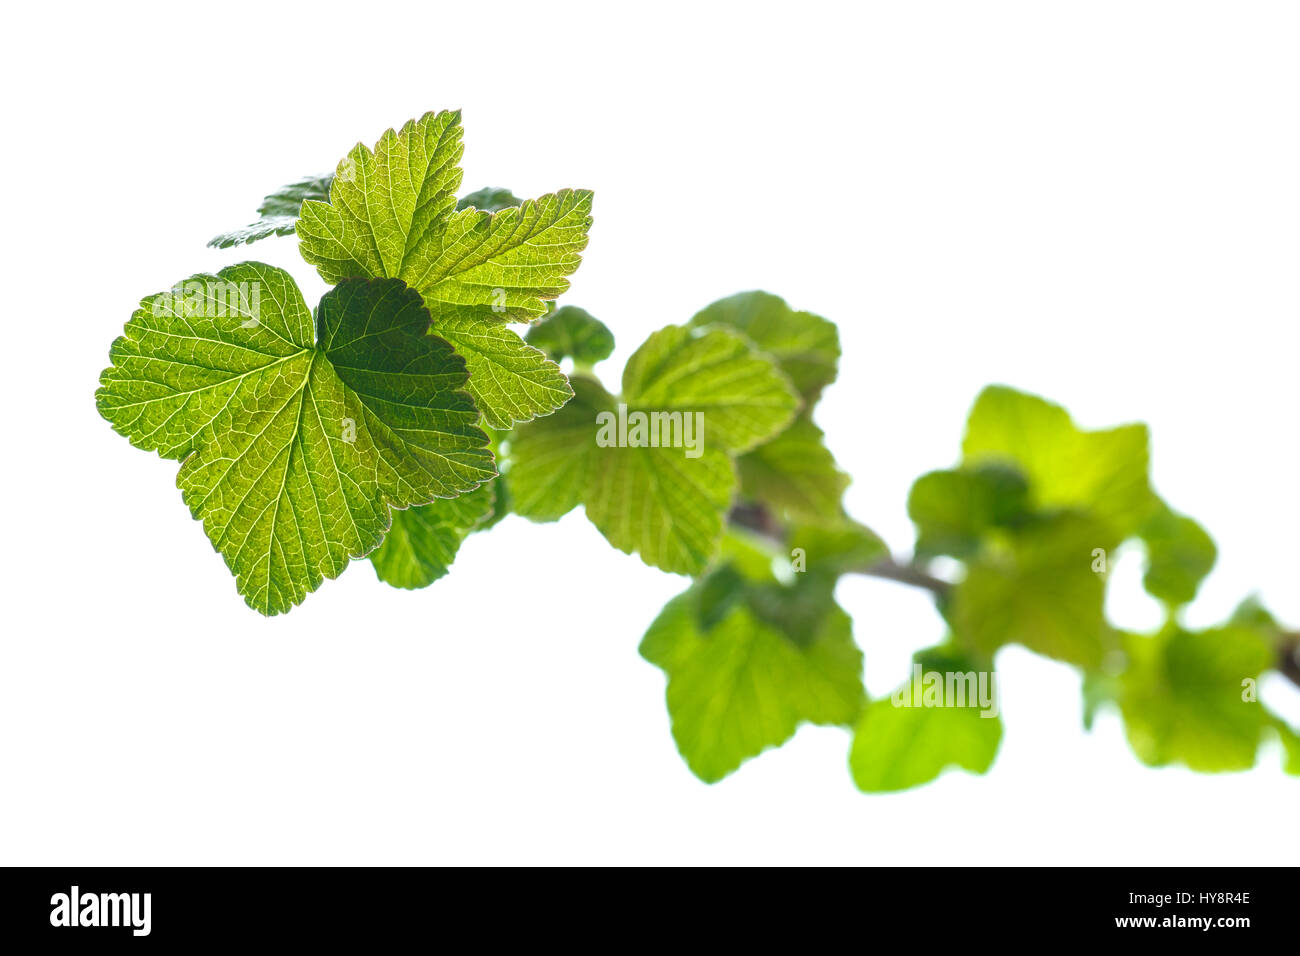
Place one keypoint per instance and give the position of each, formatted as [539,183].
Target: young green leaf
[657,502]
[1044,588]
[491,198]
[806,346]
[953,510]
[744,398]
[385,203]
[422,542]
[392,212]
[295,446]
[1179,555]
[501,497]
[795,474]
[1104,472]
[570,332]
[837,549]
[905,740]
[278,212]
[551,459]
[663,498]
[743,687]
[660,504]
[509,380]
[1184,697]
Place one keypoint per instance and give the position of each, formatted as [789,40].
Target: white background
[1096,201]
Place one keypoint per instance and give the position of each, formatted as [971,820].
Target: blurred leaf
[743,397]
[716,594]
[422,542]
[278,212]
[1182,697]
[1102,472]
[744,687]
[796,475]
[900,742]
[1039,591]
[806,346]
[1252,613]
[836,550]
[491,199]
[1098,690]
[550,459]
[1290,748]
[570,332]
[659,503]
[953,509]
[1179,555]
[501,500]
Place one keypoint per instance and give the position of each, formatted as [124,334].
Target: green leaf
[1104,472]
[502,501]
[743,397]
[1179,555]
[806,346]
[717,593]
[1252,613]
[833,551]
[278,212]
[1290,748]
[422,542]
[666,503]
[796,610]
[551,459]
[1040,590]
[743,687]
[1183,699]
[491,198]
[660,504]
[754,557]
[1099,689]
[795,474]
[903,740]
[570,332]
[509,380]
[953,510]
[392,212]
[295,447]
[386,203]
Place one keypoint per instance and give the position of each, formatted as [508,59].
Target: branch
[1289,657]
[754,516]
[893,570]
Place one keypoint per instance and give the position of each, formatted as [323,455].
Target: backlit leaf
[296,443]
[570,332]
[423,540]
[743,687]
[743,398]
[806,346]
[1103,472]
